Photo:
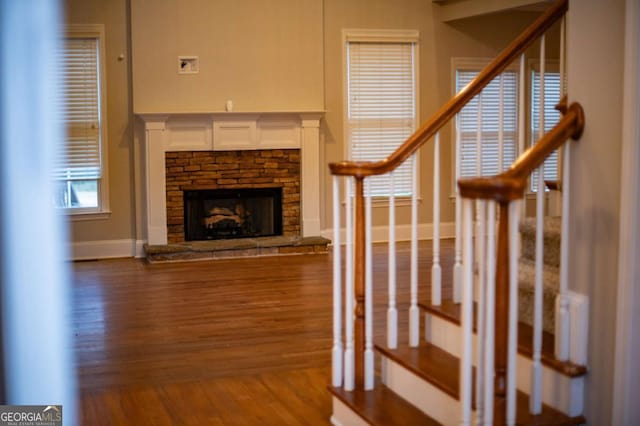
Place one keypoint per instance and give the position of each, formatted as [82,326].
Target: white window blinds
[381,107]
[80,157]
[551,118]
[486,148]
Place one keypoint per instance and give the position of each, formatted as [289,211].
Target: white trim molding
[106,249]
[449,11]
[626,379]
[381,35]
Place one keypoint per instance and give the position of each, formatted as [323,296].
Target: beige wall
[281,55]
[481,37]
[595,67]
[262,55]
[114,15]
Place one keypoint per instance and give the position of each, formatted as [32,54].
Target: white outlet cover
[188,65]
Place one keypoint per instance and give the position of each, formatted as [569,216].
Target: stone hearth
[225,249]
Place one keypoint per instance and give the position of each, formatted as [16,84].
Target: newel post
[359,278]
[502,316]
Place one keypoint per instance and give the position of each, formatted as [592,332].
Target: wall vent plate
[188,65]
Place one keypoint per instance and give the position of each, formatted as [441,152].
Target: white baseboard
[380,234]
[106,249]
[139,250]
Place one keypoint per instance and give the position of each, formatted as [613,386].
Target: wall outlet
[188,65]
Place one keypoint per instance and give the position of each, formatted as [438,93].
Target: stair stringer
[559,391]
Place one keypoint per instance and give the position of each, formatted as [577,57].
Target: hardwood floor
[226,342]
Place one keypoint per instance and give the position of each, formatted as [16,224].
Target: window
[80,167]
[479,121]
[551,118]
[381,70]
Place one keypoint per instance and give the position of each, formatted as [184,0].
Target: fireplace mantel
[228,131]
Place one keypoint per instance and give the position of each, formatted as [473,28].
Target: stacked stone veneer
[188,170]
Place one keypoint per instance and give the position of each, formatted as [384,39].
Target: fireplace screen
[232,213]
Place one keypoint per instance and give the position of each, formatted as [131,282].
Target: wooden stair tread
[441,369]
[381,406]
[451,312]
[429,362]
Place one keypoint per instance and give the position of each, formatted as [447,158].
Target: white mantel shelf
[225,113]
[229,131]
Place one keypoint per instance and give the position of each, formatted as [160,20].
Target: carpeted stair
[551,270]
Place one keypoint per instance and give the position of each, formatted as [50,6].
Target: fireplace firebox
[212,214]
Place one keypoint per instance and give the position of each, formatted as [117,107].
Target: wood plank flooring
[226,342]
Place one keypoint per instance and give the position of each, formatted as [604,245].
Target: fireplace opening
[212,214]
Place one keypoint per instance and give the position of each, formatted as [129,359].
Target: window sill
[85,216]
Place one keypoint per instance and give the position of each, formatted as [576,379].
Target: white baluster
[481,307]
[368,294]
[535,401]
[414,312]
[457,262]
[562,304]
[392,311]
[522,109]
[436,271]
[479,171]
[513,311]
[501,124]
[336,351]
[479,138]
[467,312]
[563,70]
[349,297]
[490,322]
[555,197]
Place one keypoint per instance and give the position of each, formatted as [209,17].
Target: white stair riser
[429,399]
[344,416]
[565,394]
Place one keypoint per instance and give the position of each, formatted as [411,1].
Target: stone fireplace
[187,151]
[257,193]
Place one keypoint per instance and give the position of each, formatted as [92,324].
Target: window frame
[102,211]
[382,36]
[476,64]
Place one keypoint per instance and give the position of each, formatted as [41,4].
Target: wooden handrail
[455,104]
[510,184]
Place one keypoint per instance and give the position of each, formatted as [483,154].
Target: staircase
[421,385]
[508,346]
